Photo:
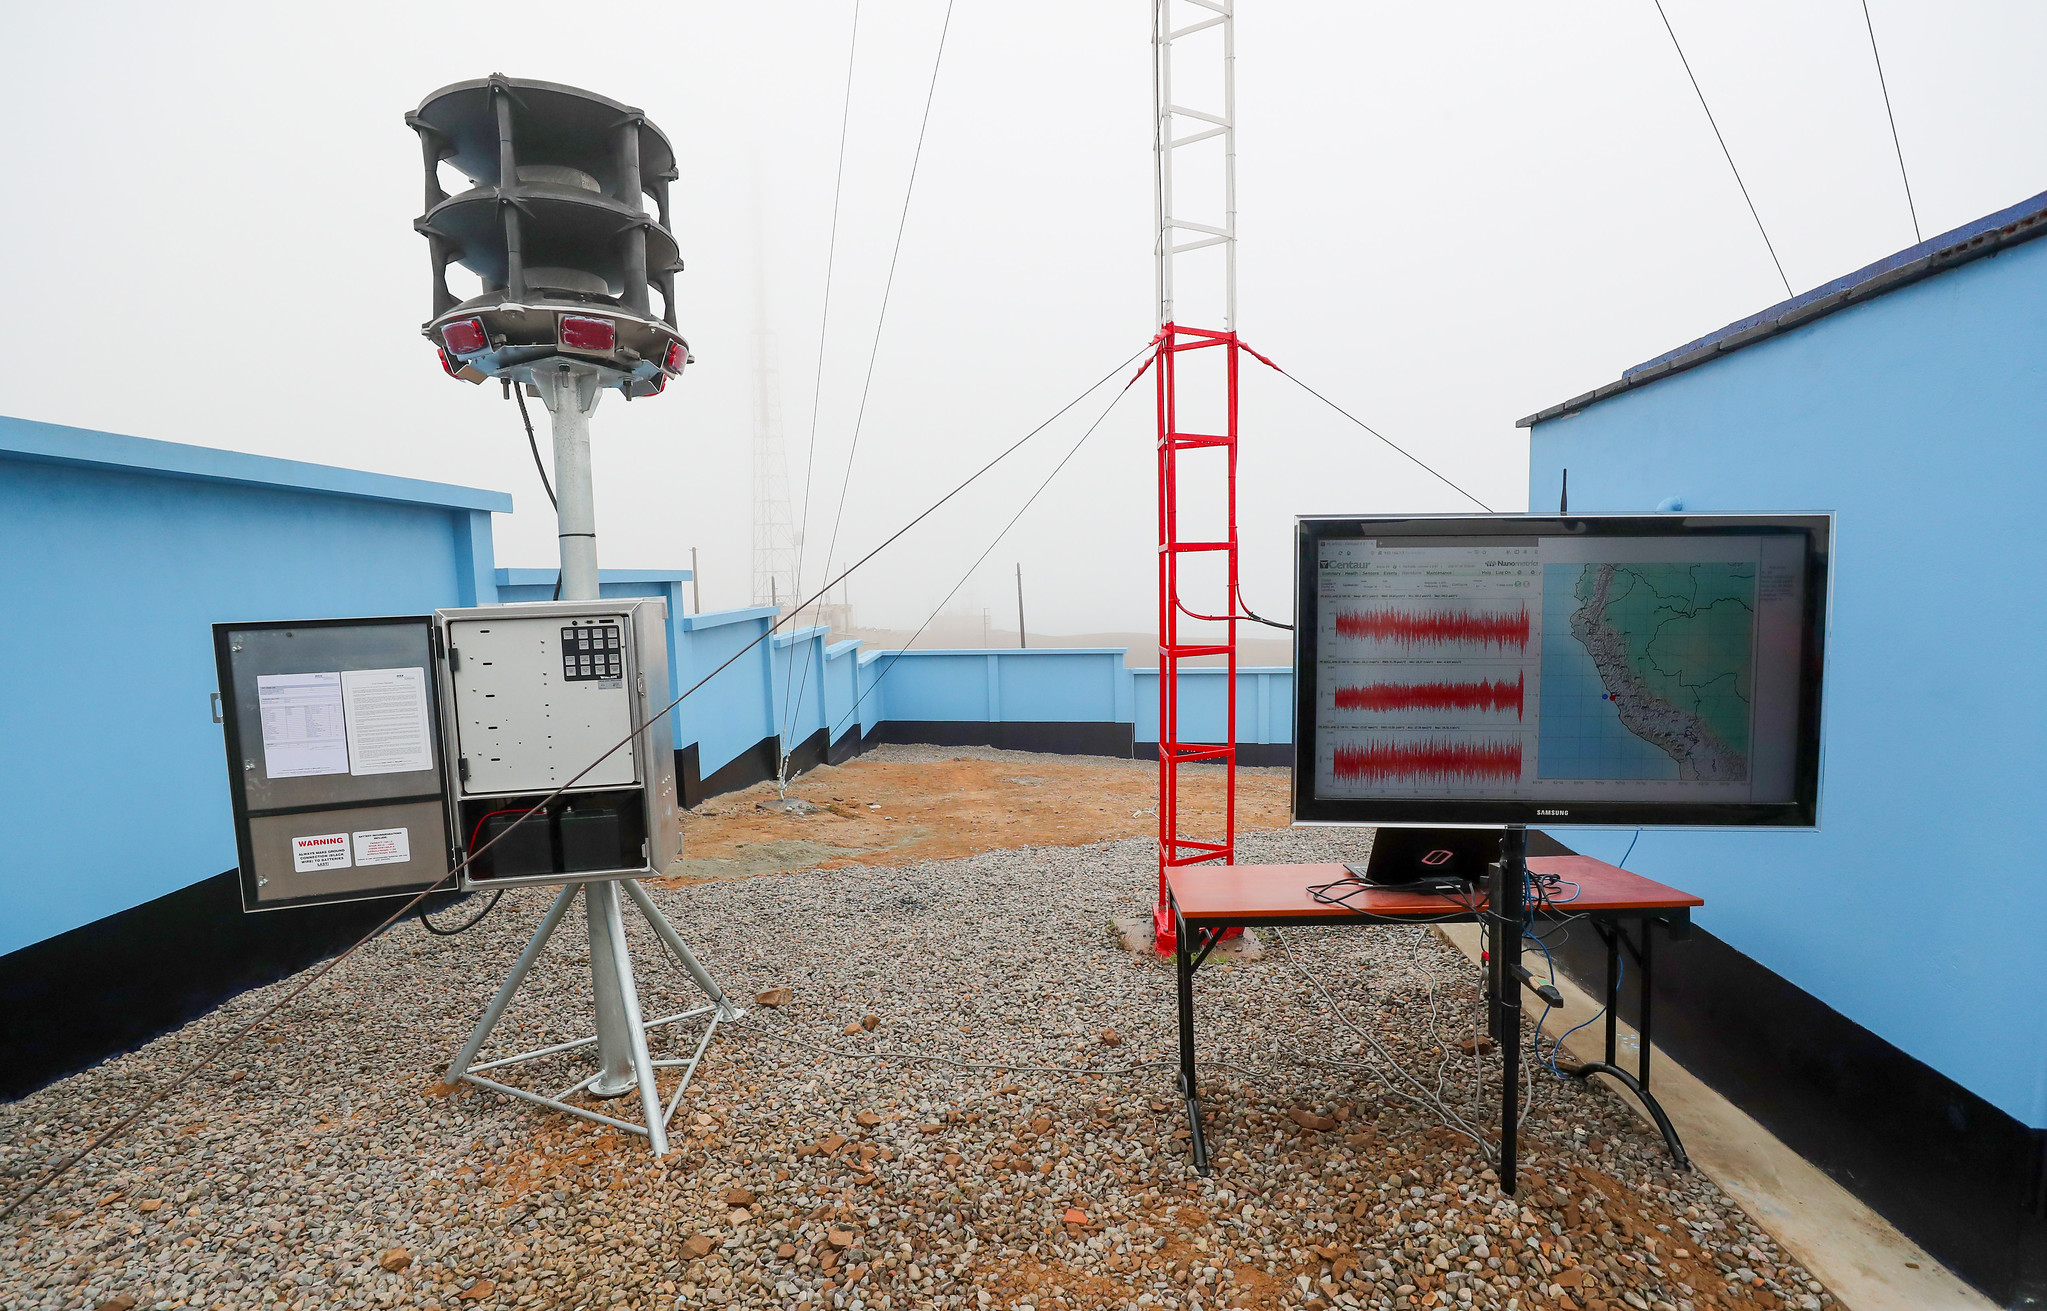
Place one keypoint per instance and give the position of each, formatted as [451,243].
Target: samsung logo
[1559,813]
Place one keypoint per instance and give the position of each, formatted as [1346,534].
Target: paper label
[383,846]
[387,721]
[310,855]
[303,729]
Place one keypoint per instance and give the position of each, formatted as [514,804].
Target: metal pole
[1230,183]
[639,1061]
[616,1043]
[570,394]
[1507,909]
[1023,641]
[696,586]
[1158,158]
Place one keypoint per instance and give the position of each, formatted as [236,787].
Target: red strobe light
[466,337]
[676,358]
[581,334]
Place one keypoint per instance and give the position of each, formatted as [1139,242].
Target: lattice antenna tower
[774,523]
[1195,371]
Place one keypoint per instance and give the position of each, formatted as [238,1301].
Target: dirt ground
[899,805]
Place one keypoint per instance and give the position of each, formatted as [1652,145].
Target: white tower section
[1194,48]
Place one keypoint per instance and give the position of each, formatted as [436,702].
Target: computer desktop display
[1619,669]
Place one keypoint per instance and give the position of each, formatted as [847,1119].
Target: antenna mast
[1194,154]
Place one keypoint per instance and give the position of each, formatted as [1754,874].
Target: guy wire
[158,1094]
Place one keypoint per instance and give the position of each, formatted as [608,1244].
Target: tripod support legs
[625,1062]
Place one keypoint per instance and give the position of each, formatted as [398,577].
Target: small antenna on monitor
[1564,496]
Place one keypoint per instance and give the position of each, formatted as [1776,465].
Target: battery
[526,849]
[590,838]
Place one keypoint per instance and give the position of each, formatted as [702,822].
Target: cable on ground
[1449,1118]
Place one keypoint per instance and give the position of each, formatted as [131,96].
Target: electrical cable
[817,382]
[467,925]
[1723,146]
[874,350]
[1450,1119]
[495,898]
[1895,143]
[158,1094]
[1254,616]
[533,445]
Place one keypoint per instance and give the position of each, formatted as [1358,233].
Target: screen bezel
[1802,812]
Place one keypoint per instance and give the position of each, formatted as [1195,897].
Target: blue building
[1868,992]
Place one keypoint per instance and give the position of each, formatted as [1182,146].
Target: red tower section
[1209,455]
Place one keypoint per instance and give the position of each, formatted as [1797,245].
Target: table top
[1237,894]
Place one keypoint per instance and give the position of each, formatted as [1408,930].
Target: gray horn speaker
[556,225]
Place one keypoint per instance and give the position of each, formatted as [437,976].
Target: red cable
[479,823]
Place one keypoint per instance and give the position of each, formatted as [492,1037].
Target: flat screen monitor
[1625,670]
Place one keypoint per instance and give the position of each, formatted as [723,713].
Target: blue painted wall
[1920,418]
[737,707]
[1265,703]
[127,551]
[122,553]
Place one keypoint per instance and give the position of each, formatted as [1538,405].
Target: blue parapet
[132,550]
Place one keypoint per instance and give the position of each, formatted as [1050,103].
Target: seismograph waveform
[1411,628]
[1428,760]
[1481,695]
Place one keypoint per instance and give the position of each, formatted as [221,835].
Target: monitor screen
[1614,669]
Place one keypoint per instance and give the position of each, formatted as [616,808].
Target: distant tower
[774,526]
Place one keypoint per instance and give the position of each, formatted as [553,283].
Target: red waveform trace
[1429,760]
[1481,695]
[1409,628]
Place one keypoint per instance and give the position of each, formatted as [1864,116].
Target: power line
[1370,429]
[1723,147]
[874,351]
[1063,461]
[1895,144]
[823,329]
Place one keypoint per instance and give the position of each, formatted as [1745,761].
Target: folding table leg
[1615,936]
[1190,1091]
[1611,933]
[1647,975]
[1507,907]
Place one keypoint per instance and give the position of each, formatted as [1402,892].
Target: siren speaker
[555,224]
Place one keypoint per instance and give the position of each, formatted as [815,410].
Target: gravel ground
[1004,1134]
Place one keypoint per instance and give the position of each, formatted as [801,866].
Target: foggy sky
[1450,216]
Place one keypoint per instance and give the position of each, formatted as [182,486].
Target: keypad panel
[591,652]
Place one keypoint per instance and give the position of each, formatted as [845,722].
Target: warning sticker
[383,846]
[323,851]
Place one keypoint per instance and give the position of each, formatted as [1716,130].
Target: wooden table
[1207,899]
